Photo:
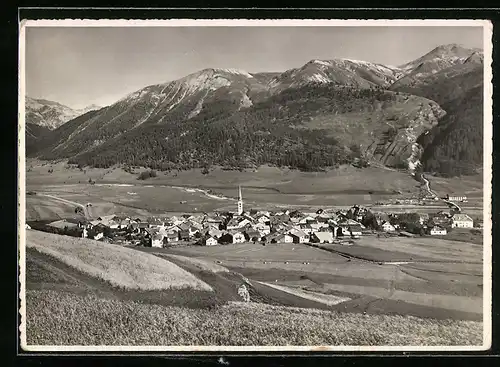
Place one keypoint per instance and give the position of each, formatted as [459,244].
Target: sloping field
[453,303]
[200,264]
[45,208]
[120,266]
[430,248]
[55,318]
[444,282]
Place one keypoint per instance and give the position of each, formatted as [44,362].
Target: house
[142,226]
[381,218]
[252,235]
[278,238]
[238,237]
[307,220]
[211,241]
[156,240]
[298,236]
[263,219]
[438,231]
[306,228]
[232,224]
[461,221]
[184,235]
[172,237]
[280,218]
[244,223]
[322,237]
[350,222]
[323,218]
[423,218]
[462,198]
[98,236]
[262,228]
[193,231]
[217,233]
[287,238]
[355,231]
[387,227]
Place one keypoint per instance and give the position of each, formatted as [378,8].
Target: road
[85,208]
[428,188]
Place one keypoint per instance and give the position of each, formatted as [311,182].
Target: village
[285,226]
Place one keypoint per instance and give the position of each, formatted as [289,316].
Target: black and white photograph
[272,185]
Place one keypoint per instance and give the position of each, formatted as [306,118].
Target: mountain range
[51,114]
[325,113]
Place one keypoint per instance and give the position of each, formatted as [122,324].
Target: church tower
[240,203]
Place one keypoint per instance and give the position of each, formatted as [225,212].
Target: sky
[79,66]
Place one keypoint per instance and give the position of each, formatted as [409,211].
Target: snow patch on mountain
[318,78]
[324,63]
[236,72]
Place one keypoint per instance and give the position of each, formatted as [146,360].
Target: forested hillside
[275,131]
[455,146]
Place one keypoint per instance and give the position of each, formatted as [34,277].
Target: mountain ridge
[51,114]
[338,96]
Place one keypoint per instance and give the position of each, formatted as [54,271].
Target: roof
[253,234]
[324,235]
[461,217]
[297,233]
[438,227]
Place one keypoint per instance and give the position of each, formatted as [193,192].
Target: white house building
[438,231]
[387,227]
[461,221]
[462,198]
[157,240]
[211,241]
[238,237]
[299,236]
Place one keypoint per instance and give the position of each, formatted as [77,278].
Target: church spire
[240,202]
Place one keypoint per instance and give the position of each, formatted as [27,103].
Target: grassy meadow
[345,185]
[120,266]
[55,318]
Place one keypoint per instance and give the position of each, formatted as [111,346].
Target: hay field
[55,318]
[45,208]
[120,266]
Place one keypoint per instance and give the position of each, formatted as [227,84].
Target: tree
[370,221]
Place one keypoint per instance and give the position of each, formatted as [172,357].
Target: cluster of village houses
[287,226]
